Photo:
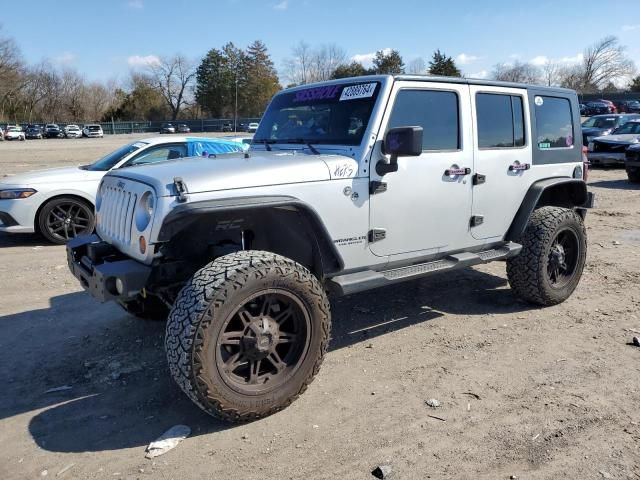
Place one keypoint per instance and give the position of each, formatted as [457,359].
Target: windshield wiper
[265,142]
[313,149]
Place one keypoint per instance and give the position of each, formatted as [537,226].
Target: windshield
[93,127]
[109,161]
[627,128]
[331,115]
[600,122]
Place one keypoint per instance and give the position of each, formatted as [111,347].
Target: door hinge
[377,234]
[477,220]
[377,187]
[181,189]
[479,179]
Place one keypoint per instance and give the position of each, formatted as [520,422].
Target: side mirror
[400,142]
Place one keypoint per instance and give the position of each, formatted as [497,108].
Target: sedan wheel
[65,218]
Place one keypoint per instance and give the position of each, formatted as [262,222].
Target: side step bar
[368,279]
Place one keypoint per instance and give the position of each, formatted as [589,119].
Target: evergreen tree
[634,86]
[442,65]
[388,63]
[262,81]
[354,69]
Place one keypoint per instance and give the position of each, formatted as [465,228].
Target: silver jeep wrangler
[349,185]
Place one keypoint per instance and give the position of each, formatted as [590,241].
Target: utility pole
[235,113]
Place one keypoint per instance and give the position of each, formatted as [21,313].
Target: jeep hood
[52,176]
[235,171]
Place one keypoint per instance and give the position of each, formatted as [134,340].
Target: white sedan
[14,133]
[59,203]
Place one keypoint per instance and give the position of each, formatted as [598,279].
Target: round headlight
[144,211]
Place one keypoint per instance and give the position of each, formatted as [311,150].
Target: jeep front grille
[117,213]
[606,147]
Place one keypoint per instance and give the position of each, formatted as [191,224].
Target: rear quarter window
[554,122]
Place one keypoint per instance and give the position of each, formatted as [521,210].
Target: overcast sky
[105,39]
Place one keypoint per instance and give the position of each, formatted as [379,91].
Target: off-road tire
[634,177]
[149,308]
[196,321]
[47,208]
[527,272]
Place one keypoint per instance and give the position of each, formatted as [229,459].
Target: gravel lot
[526,392]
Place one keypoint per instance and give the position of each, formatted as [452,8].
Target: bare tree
[173,77]
[551,73]
[518,72]
[308,64]
[604,63]
[417,66]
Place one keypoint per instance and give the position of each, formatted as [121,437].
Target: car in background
[72,131]
[583,110]
[92,131]
[1,135]
[632,163]
[600,125]
[226,127]
[14,132]
[628,106]
[52,130]
[612,106]
[167,128]
[253,127]
[611,149]
[59,203]
[182,128]
[597,108]
[34,132]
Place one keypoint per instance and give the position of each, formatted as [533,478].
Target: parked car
[226,127]
[612,106]
[34,132]
[628,106]
[14,132]
[52,130]
[244,252]
[600,125]
[583,110]
[632,163]
[182,128]
[92,131]
[1,135]
[59,202]
[72,131]
[597,108]
[167,128]
[253,127]
[611,149]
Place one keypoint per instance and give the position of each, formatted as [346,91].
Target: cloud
[137,61]
[135,4]
[64,58]
[630,28]
[481,74]
[283,5]
[515,56]
[578,58]
[366,59]
[539,61]
[464,59]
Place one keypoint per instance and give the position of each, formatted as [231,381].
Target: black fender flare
[574,194]
[186,214]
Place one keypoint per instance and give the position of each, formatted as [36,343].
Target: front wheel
[64,218]
[554,251]
[247,334]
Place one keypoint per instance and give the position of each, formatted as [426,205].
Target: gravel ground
[523,391]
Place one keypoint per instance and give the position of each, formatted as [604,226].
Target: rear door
[502,157]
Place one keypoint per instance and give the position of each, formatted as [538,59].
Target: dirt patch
[554,392]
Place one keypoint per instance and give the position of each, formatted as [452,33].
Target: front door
[502,157]
[427,203]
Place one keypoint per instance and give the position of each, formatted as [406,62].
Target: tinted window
[500,120]
[109,161]
[435,111]
[554,122]
[627,129]
[601,122]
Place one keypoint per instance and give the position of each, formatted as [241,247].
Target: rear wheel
[247,334]
[64,218]
[554,251]
[634,177]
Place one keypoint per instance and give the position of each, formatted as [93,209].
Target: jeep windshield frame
[332,114]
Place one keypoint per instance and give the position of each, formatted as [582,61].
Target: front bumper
[98,266]
[606,158]
[18,215]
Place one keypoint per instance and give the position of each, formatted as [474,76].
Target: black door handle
[450,172]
